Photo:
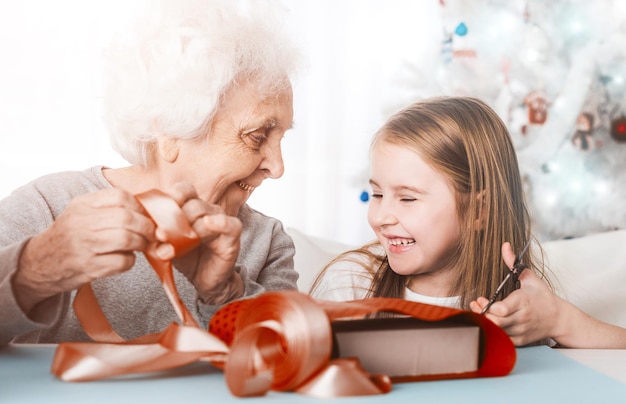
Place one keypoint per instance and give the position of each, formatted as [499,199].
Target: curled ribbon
[277,341]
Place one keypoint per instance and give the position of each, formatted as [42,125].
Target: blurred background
[553,70]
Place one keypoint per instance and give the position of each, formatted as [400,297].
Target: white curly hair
[167,75]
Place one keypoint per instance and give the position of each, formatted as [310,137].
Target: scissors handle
[496,293]
[515,272]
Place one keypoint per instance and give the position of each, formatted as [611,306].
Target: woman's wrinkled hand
[94,237]
[211,266]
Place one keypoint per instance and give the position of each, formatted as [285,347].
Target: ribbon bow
[277,341]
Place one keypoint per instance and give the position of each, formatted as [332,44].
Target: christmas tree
[555,71]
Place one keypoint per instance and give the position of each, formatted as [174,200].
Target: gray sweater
[134,301]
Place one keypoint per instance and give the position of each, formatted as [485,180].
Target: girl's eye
[375,195]
[408,199]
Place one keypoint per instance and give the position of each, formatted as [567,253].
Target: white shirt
[349,279]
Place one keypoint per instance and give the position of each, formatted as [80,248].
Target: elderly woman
[197,101]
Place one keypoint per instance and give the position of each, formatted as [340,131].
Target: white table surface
[611,362]
[541,375]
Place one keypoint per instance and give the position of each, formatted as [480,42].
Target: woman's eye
[258,138]
[255,139]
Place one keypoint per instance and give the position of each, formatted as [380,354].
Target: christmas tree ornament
[461,29]
[365,196]
[537,104]
[446,48]
[583,139]
[618,129]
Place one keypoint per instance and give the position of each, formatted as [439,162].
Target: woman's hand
[94,237]
[533,312]
[529,313]
[211,266]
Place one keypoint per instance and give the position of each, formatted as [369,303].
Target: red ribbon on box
[278,341]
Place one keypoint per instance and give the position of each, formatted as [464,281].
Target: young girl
[447,208]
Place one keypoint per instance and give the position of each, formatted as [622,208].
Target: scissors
[514,272]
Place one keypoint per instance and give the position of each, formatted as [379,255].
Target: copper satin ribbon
[277,341]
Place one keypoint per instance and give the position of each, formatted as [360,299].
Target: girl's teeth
[401,242]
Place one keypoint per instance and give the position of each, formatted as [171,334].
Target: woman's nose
[273,164]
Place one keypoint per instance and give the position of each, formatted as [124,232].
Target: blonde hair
[466,141]
[167,76]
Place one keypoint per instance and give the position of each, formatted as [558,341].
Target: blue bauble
[365,196]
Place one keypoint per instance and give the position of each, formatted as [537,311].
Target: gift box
[405,347]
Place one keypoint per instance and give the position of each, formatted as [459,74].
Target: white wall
[352,48]
[50,87]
